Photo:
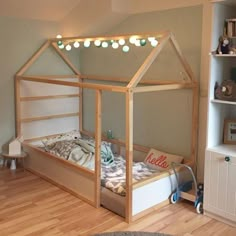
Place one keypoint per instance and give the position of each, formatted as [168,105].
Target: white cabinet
[220,173]
[220,185]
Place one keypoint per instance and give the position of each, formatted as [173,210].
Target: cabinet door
[220,185]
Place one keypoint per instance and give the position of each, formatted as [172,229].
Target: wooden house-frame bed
[86,183]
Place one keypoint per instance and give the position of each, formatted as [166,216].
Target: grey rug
[131,233]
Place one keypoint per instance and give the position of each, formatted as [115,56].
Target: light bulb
[115,45]
[121,41]
[86,43]
[154,43]
[97,43]
[150,39]
[143,42]
[132,39]
[61,46]
[76,44]
[125,48]
[68,47]
[59,36]
[59,43]
[104,44]
[137,43]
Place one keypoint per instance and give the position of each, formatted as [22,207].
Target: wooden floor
[32,206]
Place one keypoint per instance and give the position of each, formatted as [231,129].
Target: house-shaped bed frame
[88,188]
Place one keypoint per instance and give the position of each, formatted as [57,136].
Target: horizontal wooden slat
[137,147]
[188,195]
[73,76]
[127,80]
[162,87]
[25,120]
[41,137]
[64,188]
[48,97]
[110,37]
[75,84]
[86,171]
[160,175]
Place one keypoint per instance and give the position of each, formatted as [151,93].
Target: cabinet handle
[227,159]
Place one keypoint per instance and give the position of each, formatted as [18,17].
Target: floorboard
[32,206]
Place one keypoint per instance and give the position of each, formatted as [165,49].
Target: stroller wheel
[173,198]
[199,208]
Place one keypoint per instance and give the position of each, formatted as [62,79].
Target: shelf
[224,149]
[223,102]
[222,55]
[225,2]
[228,20]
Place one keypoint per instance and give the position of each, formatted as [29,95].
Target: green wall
[19,40]
[161,120]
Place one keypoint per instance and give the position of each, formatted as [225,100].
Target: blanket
[81,151]
[113,176]
[113,168]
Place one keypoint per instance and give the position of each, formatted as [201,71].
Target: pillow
[72,135]
[160,160]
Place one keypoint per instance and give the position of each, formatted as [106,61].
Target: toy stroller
[188,190]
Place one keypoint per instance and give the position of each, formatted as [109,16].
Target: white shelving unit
[220,159]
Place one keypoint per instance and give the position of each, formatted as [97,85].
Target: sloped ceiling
[79,17]
[48,10]
[57,10]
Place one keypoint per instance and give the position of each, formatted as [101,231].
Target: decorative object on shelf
[226,91]
[15,146]
[230,27]
[223,46]
[230,131]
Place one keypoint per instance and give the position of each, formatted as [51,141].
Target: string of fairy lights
[124,44]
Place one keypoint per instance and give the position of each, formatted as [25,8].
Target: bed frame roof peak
[163,38]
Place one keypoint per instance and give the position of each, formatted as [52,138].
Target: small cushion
[161,160]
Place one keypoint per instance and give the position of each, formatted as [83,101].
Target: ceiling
[57,10]
[51,10]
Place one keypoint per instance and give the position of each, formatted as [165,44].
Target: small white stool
[13,158]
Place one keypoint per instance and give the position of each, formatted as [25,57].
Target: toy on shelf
[225,91]
[223,46]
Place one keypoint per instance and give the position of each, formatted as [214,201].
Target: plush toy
[226,90]
[223,47]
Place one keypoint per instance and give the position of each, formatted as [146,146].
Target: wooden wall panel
[65,176]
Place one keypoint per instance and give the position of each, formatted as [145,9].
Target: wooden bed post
[98,137]
[195,124]
[17,106]
[129,155]
[80,106]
